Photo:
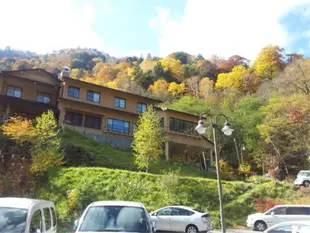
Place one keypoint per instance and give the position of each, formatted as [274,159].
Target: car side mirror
[154,226]
[272,213]
[76,223]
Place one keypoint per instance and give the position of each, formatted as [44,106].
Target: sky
[160,27]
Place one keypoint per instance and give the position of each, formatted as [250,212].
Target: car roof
[292,222]
[183,207]
[22,203]
[292,206]
[118,203]
[304,171]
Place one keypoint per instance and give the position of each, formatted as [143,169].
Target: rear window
[115,219]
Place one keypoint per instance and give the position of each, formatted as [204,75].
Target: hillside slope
[72,189]
[106,156]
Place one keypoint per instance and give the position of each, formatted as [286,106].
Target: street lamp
[227,130]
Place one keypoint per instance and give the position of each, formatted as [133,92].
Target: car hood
[257,215]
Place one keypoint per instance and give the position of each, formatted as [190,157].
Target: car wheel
[191,229]
[306,183]
[260,226]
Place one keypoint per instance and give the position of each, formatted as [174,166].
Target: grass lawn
[107,156]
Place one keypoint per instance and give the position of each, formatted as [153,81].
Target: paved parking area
[234,231]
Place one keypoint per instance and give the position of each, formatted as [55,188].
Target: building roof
[171,110]
[104,87]
[29,70]
[14,202]
[117,203]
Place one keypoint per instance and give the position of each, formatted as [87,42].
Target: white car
[290,227]
[115,216]
[181,219]
[303,178]
[23,215]
[278,214]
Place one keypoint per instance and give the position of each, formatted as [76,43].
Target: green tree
[148,139]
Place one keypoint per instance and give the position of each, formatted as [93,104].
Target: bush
[244,170]
[264,204]
[259,179]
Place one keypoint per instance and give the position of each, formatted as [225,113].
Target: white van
[25,215]
[278,214]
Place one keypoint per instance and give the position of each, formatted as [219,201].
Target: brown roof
[28,70]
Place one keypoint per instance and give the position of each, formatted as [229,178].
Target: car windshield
[12,220]
[303,174]
[115,219]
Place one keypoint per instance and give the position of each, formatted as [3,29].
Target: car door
[48,222]
[276,215]
[162,219]
[36,222]
[179,219]
[297,213]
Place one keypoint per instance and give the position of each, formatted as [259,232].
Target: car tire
[306,183]
[260,226]
[191,229]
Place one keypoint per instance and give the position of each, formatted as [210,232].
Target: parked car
[120,216]
[278,214]
[290,227]
[303,178]
[181,219]
[25,215]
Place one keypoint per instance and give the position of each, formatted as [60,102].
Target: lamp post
[201,129]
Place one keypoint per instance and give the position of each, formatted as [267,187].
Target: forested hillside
[267,100]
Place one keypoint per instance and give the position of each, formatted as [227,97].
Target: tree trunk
[279,155]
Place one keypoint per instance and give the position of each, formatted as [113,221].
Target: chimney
[65,73]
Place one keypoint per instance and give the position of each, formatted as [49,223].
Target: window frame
[189,213]
[93,92]
[14,87]
[41,223]
[92,116]
[54,216]
[72,122]
[174,125]
[112,129]
[72,96]
[141,104]
[158,212]
[119,101]
[50,218]
[45,94]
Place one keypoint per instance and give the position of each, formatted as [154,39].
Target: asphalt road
[234,231]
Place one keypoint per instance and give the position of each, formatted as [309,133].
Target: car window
[165,212]
[47,218]
[297,211]
[280,211]
[54,216]
[181,212]
[116,219]
[12,220]
[282,229]
[36,222]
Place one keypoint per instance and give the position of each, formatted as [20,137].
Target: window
[14,92]
[73,118]
[74,92]
[282,229]
[141,107]
[93,96]
[181,212]
[47,218]
[44,98]
[92,122]
[12,219]
[115,219]
[165,212]
[162,122]
[36,222]
[280,211]
[182,126]
[119,102]
[54,217]
[118,126]
[297,211]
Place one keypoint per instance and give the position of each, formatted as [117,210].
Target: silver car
[290,227]
[181,219]
[115,216]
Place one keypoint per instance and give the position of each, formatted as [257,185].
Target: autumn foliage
[264,204]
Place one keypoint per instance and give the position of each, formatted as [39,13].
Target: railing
[185,133]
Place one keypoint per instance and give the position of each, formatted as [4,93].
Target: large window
[92,122]
[141,107]
[119,102]
[74,92]
[182,126]
[14,91]
[93,96]
[118,126]
[44,98]
[73,118]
